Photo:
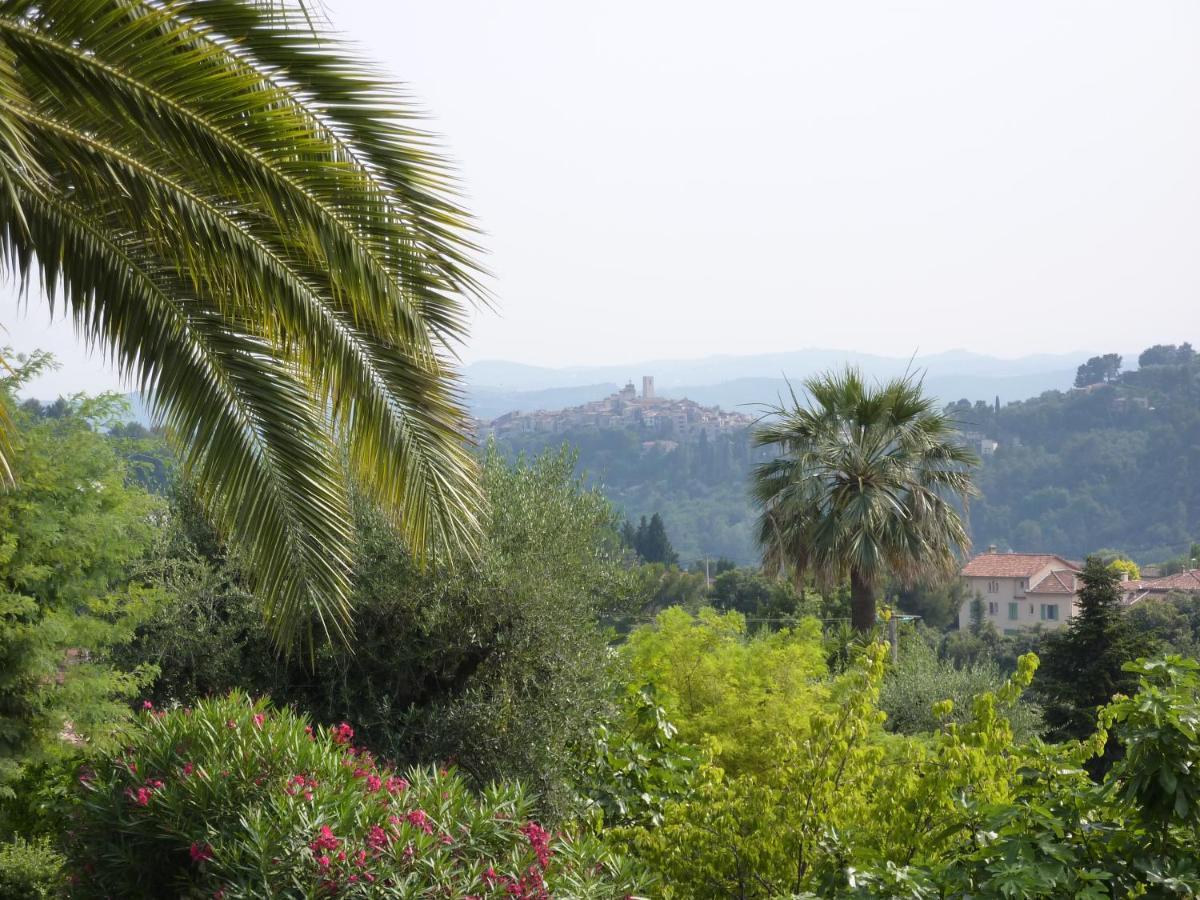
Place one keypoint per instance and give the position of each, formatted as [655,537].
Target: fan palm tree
[252,227]
[863,486]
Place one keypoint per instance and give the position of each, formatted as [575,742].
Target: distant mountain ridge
[495,387]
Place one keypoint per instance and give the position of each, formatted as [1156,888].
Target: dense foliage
[735,694]
[496,661]
[699,486]
[233,798]
[1112,466]
[73,531]
[920,680]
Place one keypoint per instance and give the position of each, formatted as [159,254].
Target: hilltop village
[659,416]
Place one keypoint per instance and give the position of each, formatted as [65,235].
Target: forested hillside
[1112,464]
[698,487]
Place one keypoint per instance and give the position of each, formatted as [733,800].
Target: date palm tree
[863,485]
[253,227]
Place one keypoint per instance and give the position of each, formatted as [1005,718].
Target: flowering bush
[234,799]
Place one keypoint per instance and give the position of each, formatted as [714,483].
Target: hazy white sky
[675,179]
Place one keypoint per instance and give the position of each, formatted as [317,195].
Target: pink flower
[200,852]
[360,858]
[259,718]
[539,840]
[343,734]
[323,862]
[326,840]
[146,704]
[377,838]
[395,785]
[374,783]
[418,818]
[188,768]
[231,724]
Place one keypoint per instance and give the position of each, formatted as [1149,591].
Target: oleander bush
[233,798]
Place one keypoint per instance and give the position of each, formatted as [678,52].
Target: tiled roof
[1012,565]
[1057,582]
[1183,581]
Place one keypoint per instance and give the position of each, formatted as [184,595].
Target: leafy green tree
[250,223]
[661,586]
[734,694]
[753,594]
[74,529]
[913,688]
[863,488]
[937,604]
[1083,663]
[1098,370]
[1166,355]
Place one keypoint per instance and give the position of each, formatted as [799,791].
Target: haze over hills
[497,386]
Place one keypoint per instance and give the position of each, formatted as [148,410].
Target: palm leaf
[247,222]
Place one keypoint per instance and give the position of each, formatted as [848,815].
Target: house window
[1013,610]
[1050,612]
[993,607]
[993,587]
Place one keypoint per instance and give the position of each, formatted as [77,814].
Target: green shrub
[30,869]
[638,766]
[729,692]
[235,799]
[912,687]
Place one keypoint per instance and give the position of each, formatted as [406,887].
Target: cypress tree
[1081,664]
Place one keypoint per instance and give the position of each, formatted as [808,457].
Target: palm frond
[246,220]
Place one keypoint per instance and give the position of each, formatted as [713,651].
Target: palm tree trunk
[862,603]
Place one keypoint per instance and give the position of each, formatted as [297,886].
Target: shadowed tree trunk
[862,603]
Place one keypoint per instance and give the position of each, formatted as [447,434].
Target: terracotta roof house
[1020,590]
[1187,581]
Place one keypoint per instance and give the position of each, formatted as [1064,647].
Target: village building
[1020,590]
[1023,590]
[658,417]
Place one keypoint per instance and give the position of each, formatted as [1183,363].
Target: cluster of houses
[1021,590]
[658,416]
